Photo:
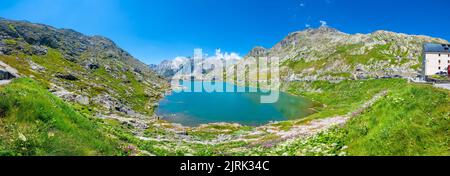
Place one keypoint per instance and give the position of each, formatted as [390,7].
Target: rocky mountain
[329,54]
[326,53]
[258,52]
[169,68]
[88,70]
[182,67]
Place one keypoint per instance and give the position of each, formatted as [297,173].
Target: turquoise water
[193,109]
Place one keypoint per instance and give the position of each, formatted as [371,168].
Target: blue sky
[154,30]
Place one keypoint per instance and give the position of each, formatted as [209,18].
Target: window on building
[439,61]
[439,68]
[439,54]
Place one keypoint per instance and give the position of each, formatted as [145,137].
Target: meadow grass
[412,120]
[35,122]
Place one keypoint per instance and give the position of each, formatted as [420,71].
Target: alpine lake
[203,106]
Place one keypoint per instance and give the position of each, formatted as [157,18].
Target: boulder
[4,75]
[105,100]
[38,50]
[83,100]
[69,77]
[137,70]
[93,66]
[36,67]
[7,72]
[69,96]
[125,110]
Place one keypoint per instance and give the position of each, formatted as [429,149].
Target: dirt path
[317,126]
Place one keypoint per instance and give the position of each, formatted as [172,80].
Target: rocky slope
[88,70]
[328,54]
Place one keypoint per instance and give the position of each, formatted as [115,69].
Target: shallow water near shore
[195,108]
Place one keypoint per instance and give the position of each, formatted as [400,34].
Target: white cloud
[307,25]
[302,4]
[226,56]
[219,55]
[323,23]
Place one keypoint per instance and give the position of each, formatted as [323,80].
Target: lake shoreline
[312,108]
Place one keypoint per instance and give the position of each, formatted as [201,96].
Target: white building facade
[436,59]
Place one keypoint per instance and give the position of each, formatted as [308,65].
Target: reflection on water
[194,108]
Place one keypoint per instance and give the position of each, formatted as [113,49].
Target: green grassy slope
[341,98]
[413,120]
[101,70]
[35,122]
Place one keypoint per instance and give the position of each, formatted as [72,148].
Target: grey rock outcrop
[83,66]
[36,67]
[69,77]
[7,72]
[4,75]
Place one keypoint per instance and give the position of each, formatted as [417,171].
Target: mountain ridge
[329,54]
[326,53]
[90,70]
